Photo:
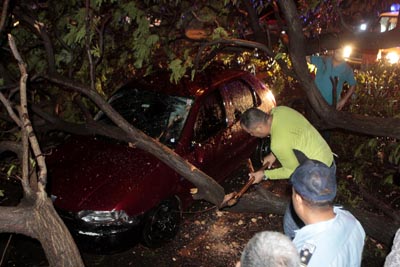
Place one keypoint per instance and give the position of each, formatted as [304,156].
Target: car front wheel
[162,223]
[263,149]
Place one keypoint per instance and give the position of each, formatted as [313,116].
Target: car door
[239,96]
[209,135]
[220,143]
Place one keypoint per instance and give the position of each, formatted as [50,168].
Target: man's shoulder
[286,112]
[344,66]
[330,242]
[345,217]
[282,109]
[319,59]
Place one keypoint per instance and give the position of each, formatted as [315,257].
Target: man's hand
[258,176]
[269,160]
[345,98]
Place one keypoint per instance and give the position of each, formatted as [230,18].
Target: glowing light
[270,97]
[363,26]
[394,7]
[347,51]
[392,57]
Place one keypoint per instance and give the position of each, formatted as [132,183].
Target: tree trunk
[38,219]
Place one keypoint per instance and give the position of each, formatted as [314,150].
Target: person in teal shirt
[327,69]
[290,132]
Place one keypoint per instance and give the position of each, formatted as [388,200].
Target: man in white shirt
[331,236]
[393,258]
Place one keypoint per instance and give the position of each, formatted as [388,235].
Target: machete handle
[245,187]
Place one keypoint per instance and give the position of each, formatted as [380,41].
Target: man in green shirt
[290,132]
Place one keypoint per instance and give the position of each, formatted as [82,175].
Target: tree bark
[39,220]
[35,216]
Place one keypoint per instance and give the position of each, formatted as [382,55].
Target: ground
[208,237]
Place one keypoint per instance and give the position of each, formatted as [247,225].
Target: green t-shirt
[290,130]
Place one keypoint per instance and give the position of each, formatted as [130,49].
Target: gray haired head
[253,116]
[270,249]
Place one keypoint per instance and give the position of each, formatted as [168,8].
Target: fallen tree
[208,189]
[35,215]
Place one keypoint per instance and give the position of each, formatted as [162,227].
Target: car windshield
[158,115]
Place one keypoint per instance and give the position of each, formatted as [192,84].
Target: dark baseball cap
[314,181]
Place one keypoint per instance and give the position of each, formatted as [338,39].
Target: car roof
[202,82]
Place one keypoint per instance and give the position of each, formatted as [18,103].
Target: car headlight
[114,217]
[392,57]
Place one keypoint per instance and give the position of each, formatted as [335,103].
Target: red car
[111,195]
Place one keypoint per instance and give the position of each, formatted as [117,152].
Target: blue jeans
[292,222]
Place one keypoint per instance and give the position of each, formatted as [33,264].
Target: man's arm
[345,98]
[288,161]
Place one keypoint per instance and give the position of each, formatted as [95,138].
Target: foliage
[374,161]
[130,38]
[376,85]
[336,16]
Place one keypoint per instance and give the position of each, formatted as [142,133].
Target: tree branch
[10,111]
[101,38]
[208,187]
[254,23]
[241,43]
[40,30]
[25,118]
[90,128]
[4,15]
[11,146]
[87,43]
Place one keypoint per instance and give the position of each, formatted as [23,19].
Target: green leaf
[219,33]
[178,70]
[64,57]
[99,3]
[279,56]
[358,151]
[152,39]
[388,179]
[95,51]
[193,73]
[10,170]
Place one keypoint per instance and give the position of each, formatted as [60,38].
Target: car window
[240,96]
[388,23]
[211,117]
[158,115]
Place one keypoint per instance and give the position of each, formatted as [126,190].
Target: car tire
[162,223]
[263,148]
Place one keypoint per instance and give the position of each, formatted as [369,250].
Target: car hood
[107,176]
